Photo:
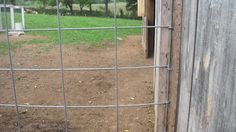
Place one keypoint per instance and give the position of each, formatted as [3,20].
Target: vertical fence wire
[116,69]
[11,68]
[62,65]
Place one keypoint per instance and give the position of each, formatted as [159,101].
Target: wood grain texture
[162,52]
[145,37]
[175,65]
[150,14]
[187,54]
[213,96]
[141,8]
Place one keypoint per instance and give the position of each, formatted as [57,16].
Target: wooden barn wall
[207,98]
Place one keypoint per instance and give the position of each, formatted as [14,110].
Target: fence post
[23,16]
[12,18]
[1,19]
[167,52]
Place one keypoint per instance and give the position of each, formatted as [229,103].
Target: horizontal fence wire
[90,28]
[83,69]
[87,106]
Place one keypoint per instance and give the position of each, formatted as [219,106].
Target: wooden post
[161,58]
[141,8]
[175,65]
[144,37]
[167,52]
[150,15]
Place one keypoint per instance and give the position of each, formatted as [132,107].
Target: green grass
[93,37]
[90,37]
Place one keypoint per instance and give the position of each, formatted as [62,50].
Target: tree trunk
[90,7]
[81,9]
[71,8]
[106,7]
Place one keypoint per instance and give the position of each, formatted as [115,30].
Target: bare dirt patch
[81,87]
[15,38]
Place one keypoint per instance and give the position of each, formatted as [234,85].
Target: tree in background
[132,5]
[106,7]
[43,3]
[52,2]
[46,3]
[13,2]
[90,2]
[82,4]
[69,3]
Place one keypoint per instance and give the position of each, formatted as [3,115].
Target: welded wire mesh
[116,68]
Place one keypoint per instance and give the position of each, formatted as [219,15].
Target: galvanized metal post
[12,18]
[23,16]
[1,27]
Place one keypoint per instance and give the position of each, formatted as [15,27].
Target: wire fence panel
[62,69]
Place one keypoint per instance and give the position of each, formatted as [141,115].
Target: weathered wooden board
[187,54]
[150,14]
[213,103]
[145,37]
[141,8]
[213,94]
[162,51]
[175,65]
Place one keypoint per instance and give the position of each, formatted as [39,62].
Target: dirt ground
[81,87]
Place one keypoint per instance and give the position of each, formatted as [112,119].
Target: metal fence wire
[116,68]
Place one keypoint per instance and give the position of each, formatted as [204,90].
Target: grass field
[90,37]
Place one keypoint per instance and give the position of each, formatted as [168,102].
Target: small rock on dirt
[118,38]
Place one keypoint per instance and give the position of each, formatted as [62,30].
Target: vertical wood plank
[162,49]
[187,55]
[150,14]
[141,8]
[213,95]
[175,65]
[145,37]
[213,92]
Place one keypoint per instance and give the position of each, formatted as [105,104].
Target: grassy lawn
[93,37]
[90,37]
